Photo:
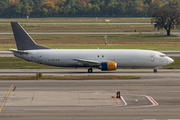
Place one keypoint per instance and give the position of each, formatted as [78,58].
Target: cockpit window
[162,55]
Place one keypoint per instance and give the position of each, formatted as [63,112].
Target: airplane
[104,59]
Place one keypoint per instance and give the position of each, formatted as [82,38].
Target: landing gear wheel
[90,70]
[155,71]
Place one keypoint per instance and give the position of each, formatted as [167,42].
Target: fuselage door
[40,58]
[152,57]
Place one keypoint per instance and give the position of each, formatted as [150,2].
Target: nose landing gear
[155,70]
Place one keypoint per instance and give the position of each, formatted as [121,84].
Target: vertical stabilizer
[22,38]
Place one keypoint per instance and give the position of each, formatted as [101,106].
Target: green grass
[83,28]
[149,41]
[89,77]
[79,28]
[78,19]
[150,46]
[141,36]
[119,46]
[17,63]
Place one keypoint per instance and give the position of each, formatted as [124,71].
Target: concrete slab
[134,100]
[20,98]
[59,98]
[2,96]
[164,91]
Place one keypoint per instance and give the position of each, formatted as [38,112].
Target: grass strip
[149,42]
[80,19]
[84,28]
[89,77]
[143,46]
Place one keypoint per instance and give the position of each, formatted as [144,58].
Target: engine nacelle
[108,66]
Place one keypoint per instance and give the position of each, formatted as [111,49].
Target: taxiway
[92,99]
[154,96]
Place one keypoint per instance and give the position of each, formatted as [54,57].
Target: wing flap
[88,62]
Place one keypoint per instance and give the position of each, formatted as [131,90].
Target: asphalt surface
[144,73]
[92,99]
[168,53]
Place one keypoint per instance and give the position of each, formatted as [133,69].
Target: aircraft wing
[18,51]
[88,62]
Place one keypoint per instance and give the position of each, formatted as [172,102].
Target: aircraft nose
[170,60]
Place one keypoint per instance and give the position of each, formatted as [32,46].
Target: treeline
[45,8]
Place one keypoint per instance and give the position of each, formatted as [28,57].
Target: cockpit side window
[162,55]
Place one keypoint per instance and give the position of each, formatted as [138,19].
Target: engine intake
[108,66]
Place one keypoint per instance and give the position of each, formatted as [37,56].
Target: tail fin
[22,38]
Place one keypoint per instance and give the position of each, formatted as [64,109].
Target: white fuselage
[123,57]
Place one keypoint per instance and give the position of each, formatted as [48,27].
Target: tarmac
[154,96]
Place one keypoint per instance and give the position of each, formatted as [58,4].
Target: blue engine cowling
[108,66]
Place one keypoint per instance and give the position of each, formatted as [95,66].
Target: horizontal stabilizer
[18,51]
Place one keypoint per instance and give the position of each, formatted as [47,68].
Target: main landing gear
[90,70]
[155,70]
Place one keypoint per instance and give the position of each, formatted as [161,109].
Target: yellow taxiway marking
[133,84]
[6,97]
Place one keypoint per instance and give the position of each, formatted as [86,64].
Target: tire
[90,70]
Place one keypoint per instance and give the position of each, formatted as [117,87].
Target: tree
[76,9]
[37,3]
[111,9]
[94,10]
[4,7]
[120,8]
[131,8]
[147,1]
[175,4]
[17,8]
[48,8]
[95,2]
[27,9]
[30,3]
[110,1]
[166,18]
[70,2]
[139,7]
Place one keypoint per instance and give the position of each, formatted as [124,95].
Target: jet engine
[108,66]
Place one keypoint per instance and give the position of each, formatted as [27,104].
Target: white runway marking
[152,100]
[154,103]
[123,101]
